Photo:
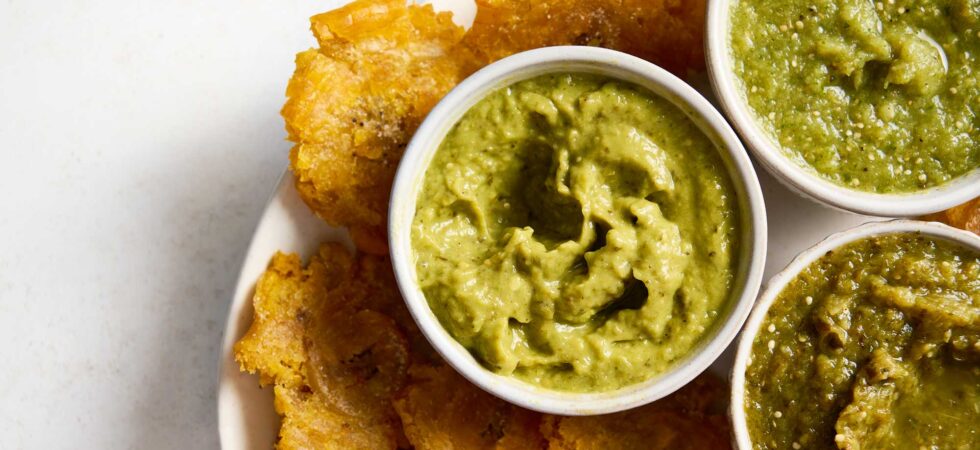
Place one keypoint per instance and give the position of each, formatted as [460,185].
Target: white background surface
[139,142]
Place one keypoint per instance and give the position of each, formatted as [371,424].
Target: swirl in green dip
[576,232]
[879,96]
[876,345]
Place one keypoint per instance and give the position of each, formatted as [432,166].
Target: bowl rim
[799,179]
[615,65]
[778,282]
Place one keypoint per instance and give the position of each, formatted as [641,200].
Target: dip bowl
[802,180]
[778,282]
[615,65]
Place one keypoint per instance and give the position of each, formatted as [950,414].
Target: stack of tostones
[350,370]
[354,103]
[347,364]
[441,410]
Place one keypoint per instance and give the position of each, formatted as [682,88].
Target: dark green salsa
[879,96]
[876,345]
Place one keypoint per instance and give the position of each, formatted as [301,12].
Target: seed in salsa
[576,232]
[879,96]
[875,345]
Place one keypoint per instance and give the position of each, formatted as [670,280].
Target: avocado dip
[576,232]
[878,96]
[876,345]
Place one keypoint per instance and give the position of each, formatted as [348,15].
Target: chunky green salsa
[876,345]
[879,96]
[576,232]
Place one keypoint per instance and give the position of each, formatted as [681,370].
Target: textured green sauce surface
[577,233]
[858,90]
[874,346]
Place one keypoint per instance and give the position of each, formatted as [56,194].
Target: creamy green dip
[577,233]
[860,91]
[876,345]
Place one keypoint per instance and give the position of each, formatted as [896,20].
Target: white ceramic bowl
[616,65]
[799,179]
[776,284]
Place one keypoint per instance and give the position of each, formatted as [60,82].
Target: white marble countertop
[139,142]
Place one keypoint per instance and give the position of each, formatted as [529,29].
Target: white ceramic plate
[246,419]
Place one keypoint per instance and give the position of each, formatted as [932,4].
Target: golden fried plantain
[666,32]
[273,345]
[965,216]
[354,103]
[692,418]
[326,338]
[440,410]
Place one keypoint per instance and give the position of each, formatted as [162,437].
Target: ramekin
[775,285]
[803,180]
[613,64]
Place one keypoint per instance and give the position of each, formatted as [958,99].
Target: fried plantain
[691,418]
[325,337]
[349,366]
[965,216]
[666,32]
[440,410]
[354,103]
